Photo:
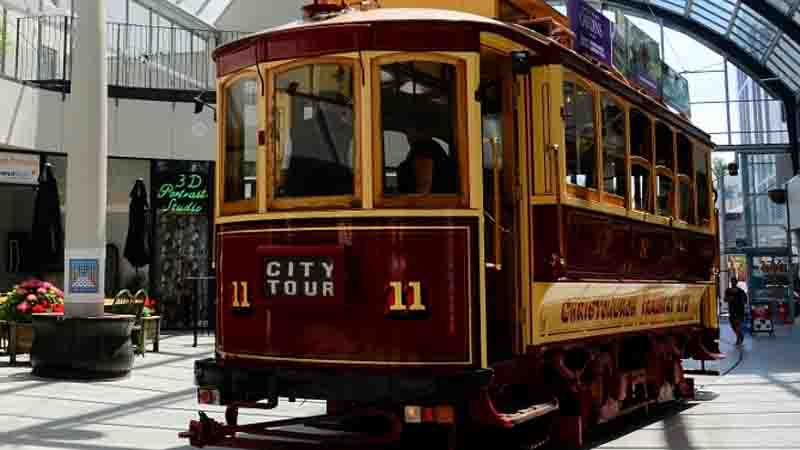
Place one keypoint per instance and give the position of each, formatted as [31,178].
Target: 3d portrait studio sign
[184,193]
[593,31]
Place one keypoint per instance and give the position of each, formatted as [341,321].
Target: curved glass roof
[774,42]
[206,10]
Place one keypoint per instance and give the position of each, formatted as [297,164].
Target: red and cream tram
[451,221]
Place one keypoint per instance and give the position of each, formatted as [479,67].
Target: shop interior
[18,196]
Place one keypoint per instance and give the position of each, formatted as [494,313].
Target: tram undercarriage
[556,393]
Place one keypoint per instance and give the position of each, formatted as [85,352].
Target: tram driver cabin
[451,210]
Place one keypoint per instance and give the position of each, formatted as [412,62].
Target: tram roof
[407,29]
[361,20]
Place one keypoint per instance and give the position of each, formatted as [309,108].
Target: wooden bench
[145,328]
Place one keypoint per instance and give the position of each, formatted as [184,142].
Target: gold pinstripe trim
[341,361]
[349,214]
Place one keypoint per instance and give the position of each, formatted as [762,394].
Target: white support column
[86,131]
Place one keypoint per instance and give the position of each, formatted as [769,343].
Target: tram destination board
[299,274]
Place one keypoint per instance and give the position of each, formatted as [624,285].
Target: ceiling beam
[175,14]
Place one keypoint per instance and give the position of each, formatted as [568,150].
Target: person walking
[736,299]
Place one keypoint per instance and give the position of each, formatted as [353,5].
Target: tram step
[531,412]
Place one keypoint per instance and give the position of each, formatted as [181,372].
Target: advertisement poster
[645,64]
[675,90]
[593,31]
[621,50]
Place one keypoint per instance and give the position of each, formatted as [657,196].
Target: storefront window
[240,140]
[579,129]
[420,153]
[314,131]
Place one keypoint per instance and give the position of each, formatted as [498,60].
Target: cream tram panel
[566,311]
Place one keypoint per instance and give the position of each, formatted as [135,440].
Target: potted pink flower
[18,306]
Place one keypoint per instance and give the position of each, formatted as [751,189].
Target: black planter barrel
[82,347]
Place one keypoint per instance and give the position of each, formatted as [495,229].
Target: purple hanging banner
[593,31]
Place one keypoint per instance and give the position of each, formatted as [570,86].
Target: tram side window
[314,137]
[613,146]
[664,146]
[665,162]
[579,128]
[641,137]
[701,183]
[640,187]
[418,115]
[641,159]
[686,200]
[240,140]
[664,194]
[685,189]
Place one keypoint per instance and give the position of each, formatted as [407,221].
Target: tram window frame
[705,153]
[663,174]
[648,154]
[685,180]
[346,201]
[645,160]
[574,189]
[610,197]
[648,198]
[684,156]
[430,200]
[664,153]
[243,206]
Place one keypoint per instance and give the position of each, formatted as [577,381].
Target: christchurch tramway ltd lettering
[579,310]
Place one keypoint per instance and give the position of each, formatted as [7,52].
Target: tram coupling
[364,428]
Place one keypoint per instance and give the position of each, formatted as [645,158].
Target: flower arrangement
[31,297]
[149,308]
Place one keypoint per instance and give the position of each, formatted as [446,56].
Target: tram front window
[418,117]
[240,140]
[314,137]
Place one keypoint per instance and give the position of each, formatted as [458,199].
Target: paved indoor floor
[757,405]
[145,410]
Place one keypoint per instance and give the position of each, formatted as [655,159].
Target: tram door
[501,199]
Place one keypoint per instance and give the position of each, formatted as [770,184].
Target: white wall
[258,15]
[33,119]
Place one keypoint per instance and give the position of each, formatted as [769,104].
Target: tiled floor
[755,406]
[146,410]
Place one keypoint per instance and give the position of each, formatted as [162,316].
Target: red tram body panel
[359,322]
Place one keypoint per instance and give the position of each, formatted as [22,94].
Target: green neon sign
[188,194]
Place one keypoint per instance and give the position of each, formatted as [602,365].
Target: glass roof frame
[767,31]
